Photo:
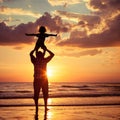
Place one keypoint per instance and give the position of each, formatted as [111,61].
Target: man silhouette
[40,76]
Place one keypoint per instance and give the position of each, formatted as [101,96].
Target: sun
[49,72]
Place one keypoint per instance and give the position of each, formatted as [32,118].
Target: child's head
[42,29]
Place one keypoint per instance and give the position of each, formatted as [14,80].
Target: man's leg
[36,95]
[45,93]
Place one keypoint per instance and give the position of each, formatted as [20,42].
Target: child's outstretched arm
[52,34]
[30,34]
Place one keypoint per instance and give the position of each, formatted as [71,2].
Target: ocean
[61,94]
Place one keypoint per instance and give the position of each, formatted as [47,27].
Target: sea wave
[59,96]
[58,90]
[89,101]
[22,105]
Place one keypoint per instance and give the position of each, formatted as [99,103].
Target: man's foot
[36,116]
[36,112]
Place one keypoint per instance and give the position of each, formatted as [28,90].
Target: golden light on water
[49,101]
[49,113]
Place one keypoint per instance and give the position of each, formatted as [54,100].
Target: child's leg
[43,47]
[36,47]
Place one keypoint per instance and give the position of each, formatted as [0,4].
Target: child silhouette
[41,38]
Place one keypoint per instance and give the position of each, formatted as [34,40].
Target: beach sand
[61,113]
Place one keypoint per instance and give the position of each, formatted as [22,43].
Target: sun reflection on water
[49,101]
[49,113]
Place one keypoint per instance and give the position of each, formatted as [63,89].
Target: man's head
[39,54]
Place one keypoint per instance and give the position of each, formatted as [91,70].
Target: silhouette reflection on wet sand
[45,115]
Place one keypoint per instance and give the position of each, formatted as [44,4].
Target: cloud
[10,19]
[103,5]
[18,47]
[107,38]
[101,28]
[17,11]
[5,0]
[89,21]
[88,52]
[76,17]
[91,52]
[53,23]
[15,35]
[63,2]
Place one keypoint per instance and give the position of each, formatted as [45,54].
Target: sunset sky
[87,48]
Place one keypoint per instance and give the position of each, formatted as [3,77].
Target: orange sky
[16,66]
[87,48]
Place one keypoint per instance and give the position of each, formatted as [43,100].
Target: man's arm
[32,57]
[44,51]
[51,55]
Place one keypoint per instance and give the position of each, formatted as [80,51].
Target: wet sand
[61,113]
